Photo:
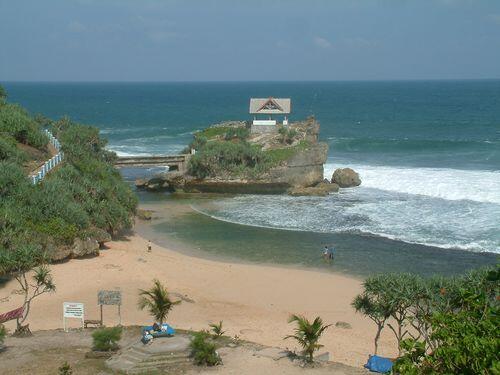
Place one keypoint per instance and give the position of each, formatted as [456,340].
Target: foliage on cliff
[227,152]
[84,193]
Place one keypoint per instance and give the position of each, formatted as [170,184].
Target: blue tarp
[166,331]
[379,364]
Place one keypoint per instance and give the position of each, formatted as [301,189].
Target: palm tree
[307,334]
[157,301]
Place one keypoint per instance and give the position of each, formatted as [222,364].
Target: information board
[109,297]
[74,310]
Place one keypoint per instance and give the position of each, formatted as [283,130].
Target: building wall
[263,129]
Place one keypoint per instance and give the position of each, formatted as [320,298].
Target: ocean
[428,153]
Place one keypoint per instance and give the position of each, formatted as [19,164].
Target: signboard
[109,297]
[73,310]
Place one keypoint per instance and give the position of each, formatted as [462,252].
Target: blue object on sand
[165,331]
[379,364]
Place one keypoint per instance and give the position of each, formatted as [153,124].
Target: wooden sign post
[110,297]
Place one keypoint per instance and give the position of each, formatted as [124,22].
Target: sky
[248,40]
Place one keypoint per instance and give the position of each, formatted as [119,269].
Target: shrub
[237,133]
[307,334]
[217,329]
[106,339]
[65,369]
[203,351]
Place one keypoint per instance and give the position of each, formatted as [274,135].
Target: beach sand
[253,301]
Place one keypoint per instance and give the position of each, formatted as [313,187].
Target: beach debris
[142,260]
[346,177]
[344,325]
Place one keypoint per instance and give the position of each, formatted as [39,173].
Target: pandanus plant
[157,301]
[307,334]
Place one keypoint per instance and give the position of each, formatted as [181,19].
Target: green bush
[61,231]
[203,351]
[240,134]
[84,192]
[106,339]
[16,122]
[65,369]
[9,151]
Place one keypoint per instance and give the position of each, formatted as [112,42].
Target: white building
[265,111]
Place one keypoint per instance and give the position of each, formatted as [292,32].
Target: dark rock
[308,191]
[141,183]
[330,187]
[346,177]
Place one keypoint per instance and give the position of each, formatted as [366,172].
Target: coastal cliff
[229,159]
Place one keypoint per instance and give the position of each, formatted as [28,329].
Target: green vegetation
[307,334]
[217,329]
[65,369]
[84,194]
[19,264]
[203,351]
[442,325]
[157,301]
[287,135]
[106,339]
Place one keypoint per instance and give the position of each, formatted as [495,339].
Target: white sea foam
[449,184]
[458,224]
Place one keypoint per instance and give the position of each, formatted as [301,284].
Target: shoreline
[254,301]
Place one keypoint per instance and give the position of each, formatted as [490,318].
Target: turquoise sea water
[428,154]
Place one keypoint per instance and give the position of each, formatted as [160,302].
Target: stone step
[144,368]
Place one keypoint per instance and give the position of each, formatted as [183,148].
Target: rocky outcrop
[320,190]
[346,177]
[80,248]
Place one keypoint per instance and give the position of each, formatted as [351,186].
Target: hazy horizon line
[258,81]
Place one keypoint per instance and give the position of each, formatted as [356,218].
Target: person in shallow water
[326,253]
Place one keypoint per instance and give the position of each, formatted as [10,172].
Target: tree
[464,330]
[19,263]
[375,309]
[157,301]
[307,334]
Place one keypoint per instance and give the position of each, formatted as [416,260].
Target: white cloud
[322,42]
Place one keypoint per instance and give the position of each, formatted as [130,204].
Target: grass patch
[279,155]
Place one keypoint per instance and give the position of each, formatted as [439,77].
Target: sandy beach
[254,301]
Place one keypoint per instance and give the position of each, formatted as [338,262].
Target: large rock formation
[346,177]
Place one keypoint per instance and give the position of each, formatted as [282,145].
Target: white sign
[73,310]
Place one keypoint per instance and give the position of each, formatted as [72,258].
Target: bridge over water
[174,162]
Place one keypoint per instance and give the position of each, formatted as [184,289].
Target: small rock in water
[144,214]
[346,177]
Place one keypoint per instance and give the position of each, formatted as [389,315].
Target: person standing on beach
[149,246]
